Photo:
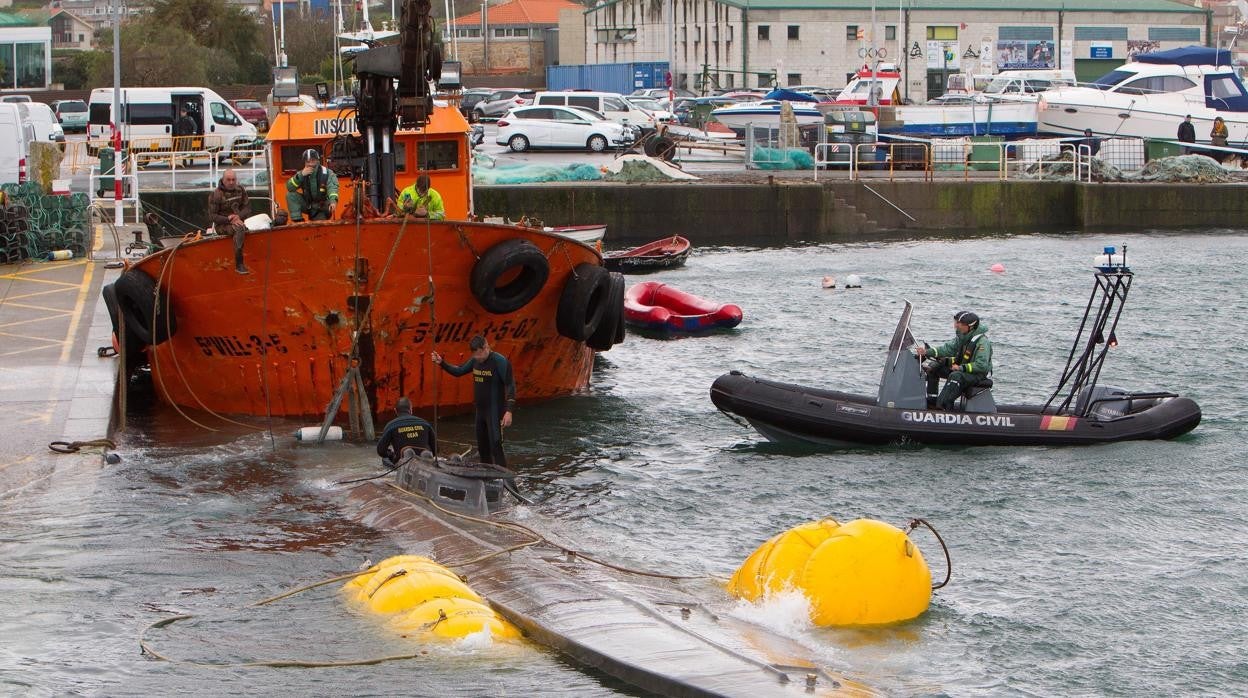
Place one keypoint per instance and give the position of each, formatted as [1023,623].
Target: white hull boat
[765,114]
[586,234]
[1149,98]
[1009,119]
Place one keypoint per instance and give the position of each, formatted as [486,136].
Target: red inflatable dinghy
[656,306]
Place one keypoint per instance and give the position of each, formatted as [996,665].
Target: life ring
[521,263]
[584,302]
[604,337]
[153,322]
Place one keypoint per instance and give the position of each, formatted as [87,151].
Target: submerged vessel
[1078,412]
[364,293]
[663,634]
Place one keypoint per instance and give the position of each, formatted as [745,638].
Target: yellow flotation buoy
[428,596]
[454,618]
[864,572]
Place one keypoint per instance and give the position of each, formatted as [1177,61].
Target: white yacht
[1149,97]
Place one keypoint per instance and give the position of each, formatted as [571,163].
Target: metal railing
[129,189]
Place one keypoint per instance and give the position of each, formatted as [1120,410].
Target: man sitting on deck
[405,431]
[967,359]
[421,201]
[313,191]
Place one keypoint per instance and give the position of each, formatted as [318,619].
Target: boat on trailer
[1078,412]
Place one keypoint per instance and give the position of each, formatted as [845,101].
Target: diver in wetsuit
[966,360]
[493,394]
[406,430]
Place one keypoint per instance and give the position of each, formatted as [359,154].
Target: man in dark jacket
[1187,133]
[966,360]
[493,394]
[313,190]
[406,430]
[227,207]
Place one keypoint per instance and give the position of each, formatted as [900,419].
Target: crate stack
[35,223]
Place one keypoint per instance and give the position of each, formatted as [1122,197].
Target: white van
[149,113]
[43,119]
[15,138]
[609,104]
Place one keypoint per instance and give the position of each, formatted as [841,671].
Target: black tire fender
[584,302]
[152,322]
[604,337]
[498,263]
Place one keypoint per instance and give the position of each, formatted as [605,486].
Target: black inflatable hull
[793,413]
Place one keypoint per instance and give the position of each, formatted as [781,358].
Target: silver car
[501,102]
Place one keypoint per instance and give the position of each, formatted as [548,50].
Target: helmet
[311,154]
[966,317]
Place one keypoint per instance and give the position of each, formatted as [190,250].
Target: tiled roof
[521,12]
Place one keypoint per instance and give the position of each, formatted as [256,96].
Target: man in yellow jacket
[422,201]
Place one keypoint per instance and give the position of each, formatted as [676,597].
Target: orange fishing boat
[367,291]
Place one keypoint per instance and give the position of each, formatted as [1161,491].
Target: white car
[525,128]
[653,107]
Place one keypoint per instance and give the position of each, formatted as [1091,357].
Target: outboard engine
[1104,402]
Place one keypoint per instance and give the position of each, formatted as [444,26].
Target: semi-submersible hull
[279,340]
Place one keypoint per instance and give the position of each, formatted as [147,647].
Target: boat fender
[584,302]
[865,572]
[517,258]
[853,281]
[604,337]
[153,322]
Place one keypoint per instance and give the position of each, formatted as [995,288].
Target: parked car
[72,113]
[40,116]
[661,93]
[253,112]
[527,128]
[500,102]
[609,104]
[472,97]
[653,107]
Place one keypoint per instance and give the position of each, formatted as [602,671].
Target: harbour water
[1109,570]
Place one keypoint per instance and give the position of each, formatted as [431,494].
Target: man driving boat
[966,360]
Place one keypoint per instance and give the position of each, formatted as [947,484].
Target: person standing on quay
[1187,133]
[1218,136]
[493,395]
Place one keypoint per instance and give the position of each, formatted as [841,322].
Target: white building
[756,43]
[25,54]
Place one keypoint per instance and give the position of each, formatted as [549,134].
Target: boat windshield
[1111,78]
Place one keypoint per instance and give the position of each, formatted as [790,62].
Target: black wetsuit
[404,431]
[493,394]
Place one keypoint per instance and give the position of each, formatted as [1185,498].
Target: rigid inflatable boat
[1078,412]
[651,305]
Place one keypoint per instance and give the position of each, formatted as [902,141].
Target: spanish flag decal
[1051,423]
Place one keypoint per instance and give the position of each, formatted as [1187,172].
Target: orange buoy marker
[829,282]
[997,268]
[865,572]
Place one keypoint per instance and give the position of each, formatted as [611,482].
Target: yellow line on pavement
[40,293]
[30,349]
[22,277]
[32,306]
[37,319]
[31,336]
[77,317]
[19,461]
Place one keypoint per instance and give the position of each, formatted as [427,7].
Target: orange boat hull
[278,341]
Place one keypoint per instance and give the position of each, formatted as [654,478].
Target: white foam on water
[786,612]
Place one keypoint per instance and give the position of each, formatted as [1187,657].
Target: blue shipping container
[607,77]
